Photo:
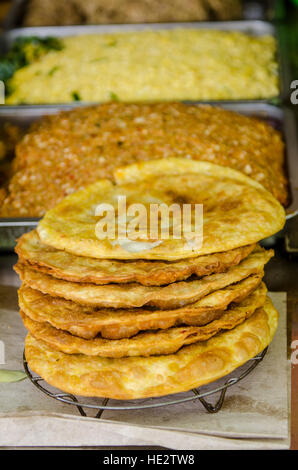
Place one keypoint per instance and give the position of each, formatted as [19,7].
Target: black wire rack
[105,404]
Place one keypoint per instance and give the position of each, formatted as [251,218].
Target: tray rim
[254,27]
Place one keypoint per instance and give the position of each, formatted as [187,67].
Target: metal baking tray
[280,118]
[255,28]
[258,10]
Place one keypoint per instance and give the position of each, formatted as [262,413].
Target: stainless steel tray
[281,118]
[253,27]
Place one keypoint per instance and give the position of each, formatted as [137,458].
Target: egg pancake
[63,265]
[88,322]
[163,65]
[149,343]
[135,295]
[237,211]
[140,377]
[81,146]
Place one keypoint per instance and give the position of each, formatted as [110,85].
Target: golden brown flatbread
[85,144]
[140,377]
[74,268]
[135,295]
[149,343]
[88,322]
[237,211]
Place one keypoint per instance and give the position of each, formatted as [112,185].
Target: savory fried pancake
[130,295]
[238,211]
[88,322]
[74,268]
[140,377]
[81,146]
[149,343]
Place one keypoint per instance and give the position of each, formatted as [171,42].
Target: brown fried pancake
[237,211]
[140,377]
[81,146]
[74,268]
[149,343]
[135,295]
[88,322]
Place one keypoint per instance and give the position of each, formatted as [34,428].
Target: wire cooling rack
[106,404]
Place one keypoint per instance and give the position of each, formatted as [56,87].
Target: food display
[134,295]
[148,173]
[217,188]
[88,323]
[110,329]
[66,152]
[148,343]
[142,66]
[64,265]
[136,377]
[53,12]
[10,135]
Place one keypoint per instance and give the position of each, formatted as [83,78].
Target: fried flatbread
[149,343]
[85,144]
[135,295]
[88,322]
[238,211]
[139,377]
[74,268]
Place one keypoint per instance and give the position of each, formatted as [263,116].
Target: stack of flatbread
[123,318]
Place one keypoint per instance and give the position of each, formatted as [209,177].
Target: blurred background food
[10,135]
[71,12]
[60,154]
[138,66]
[63,153]
[25,50]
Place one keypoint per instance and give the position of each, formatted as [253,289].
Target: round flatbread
[139,377]
[74,268]
[237,211]
[88,322]
[149,343]
[85,144]
[173,295]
